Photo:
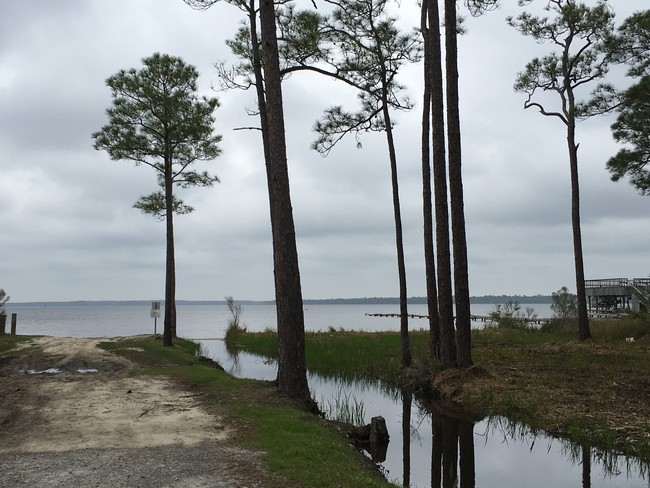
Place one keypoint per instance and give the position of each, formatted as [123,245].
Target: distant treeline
[423,300]
[490,299]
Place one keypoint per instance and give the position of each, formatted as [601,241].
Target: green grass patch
[620,329]
[347,354]
[8,343]
[595,391]
[300,449]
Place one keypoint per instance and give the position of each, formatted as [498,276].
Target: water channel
[430,450]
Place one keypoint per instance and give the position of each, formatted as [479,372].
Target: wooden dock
[617,295]
[410,315]
[474,318]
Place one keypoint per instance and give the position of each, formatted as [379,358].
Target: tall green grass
[344,407]
[620,329]
[347,354]
[235,329]
[377,354]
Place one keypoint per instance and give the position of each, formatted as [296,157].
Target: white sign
[155,310]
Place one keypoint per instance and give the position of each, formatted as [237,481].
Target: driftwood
[372,437]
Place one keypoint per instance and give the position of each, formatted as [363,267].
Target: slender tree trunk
[459,239]
[584,332]
[407,401]
[436,447]
[292,376]
[427,202]
[568,103]
[450,453]
[169,326]
[467,459]
[259,78]
[443,252]
[401,267]
[586,467]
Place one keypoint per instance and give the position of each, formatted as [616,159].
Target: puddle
[44,371]
[427,449]
[55,365]
[59,371]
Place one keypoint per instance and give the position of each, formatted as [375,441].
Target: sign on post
[155,314]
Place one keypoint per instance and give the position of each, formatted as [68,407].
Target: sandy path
[52,422]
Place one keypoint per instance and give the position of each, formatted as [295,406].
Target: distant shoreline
[487,299]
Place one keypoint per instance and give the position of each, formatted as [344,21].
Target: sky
[68,230]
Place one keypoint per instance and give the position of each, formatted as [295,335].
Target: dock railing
[610,282]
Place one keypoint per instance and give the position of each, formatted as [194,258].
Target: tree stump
[372,437]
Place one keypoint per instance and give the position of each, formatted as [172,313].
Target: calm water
[210,321]
[499,454]
[505,455]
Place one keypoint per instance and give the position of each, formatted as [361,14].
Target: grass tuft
[344,407]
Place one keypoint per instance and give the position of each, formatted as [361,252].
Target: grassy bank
[596,392]
[297,448]
[300,449]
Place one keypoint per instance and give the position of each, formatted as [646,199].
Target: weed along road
[76,415]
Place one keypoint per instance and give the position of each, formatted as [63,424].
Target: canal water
[431,450]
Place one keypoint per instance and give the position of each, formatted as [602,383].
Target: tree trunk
[445,300]
[450,453]
[292,376]
[459,239]
[401,267]
[436,445]
[586,466]
[259,78]
[427,202]
[407,402]
[583,319]
[169,327]
[467,461]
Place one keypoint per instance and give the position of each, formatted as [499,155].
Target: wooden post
[14,317]
[3,323]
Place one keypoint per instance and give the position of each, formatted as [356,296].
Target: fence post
[3,323]
[14,318]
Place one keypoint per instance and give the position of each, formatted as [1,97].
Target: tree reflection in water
[452,453]
[492,452]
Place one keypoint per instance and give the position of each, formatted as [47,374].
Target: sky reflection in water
[498,453]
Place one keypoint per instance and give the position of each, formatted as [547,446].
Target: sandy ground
[71,415]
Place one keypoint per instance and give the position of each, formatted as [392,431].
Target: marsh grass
[235,329]
[344,407]
[346,354]
[595,391]
[637,327]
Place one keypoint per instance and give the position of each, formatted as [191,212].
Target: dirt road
[71,414]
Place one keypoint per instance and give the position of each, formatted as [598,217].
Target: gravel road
[72,415]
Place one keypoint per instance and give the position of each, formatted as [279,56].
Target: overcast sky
[68,230]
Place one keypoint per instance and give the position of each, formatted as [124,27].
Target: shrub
[565,304]
[510,316]
[235,329]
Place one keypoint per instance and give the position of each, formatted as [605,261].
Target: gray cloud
[69,232]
